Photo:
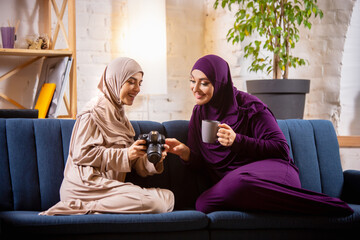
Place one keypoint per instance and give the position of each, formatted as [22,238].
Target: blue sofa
[33,153]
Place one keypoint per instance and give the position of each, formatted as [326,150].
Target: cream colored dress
[94,178]
[97,164]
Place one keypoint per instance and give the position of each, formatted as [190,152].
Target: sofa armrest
[351,189]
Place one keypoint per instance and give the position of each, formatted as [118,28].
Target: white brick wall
[350,84]
[94,34]
[185,44]
[99,35]
[194,28]
[350,90]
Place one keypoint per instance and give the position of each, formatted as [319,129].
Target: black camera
[155,145]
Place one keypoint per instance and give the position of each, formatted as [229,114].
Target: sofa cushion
[186,183]
[36,157]
[328,154]
[67,126]
[6,199]
[236,220]
[49,160]
[23,164]
[284,128]
[351,192]
[315,150]
[30,222]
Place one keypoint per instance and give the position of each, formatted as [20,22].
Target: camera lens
[154,153]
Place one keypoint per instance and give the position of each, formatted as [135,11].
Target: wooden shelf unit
[70,39]
[349,141]
[34,53]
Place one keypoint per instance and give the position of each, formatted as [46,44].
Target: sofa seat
[248,220]
[232,224]
[33,153]
[187,224]
[29,222]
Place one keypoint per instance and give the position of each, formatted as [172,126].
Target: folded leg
[123,199]
[267,189]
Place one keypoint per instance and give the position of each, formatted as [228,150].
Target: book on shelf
[45,96]
[55,70]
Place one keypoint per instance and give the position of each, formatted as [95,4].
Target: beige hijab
[107,110]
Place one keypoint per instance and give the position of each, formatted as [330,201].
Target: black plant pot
[285,98]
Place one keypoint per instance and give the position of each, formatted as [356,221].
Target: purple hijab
[228,105]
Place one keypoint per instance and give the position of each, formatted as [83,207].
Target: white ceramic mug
[209,129]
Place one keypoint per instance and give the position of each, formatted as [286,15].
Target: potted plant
[276,23]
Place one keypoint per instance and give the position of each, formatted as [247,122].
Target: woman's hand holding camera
[178,148]
[137,149]
[164,152]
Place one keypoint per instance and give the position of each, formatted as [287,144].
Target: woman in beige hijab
[102,150]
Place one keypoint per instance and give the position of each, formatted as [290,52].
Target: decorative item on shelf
[38,42]
[276,23]
[8,35]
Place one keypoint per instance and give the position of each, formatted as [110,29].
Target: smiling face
[131,88]
[201,87]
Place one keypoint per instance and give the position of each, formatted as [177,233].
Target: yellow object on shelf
[44,99]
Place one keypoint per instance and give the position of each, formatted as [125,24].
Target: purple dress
[256,172]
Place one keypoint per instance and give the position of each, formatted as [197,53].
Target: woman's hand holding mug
[226,136]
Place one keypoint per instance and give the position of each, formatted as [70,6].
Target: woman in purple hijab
[250,163]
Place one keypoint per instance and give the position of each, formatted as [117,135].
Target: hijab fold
[107,110]
[227,105]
